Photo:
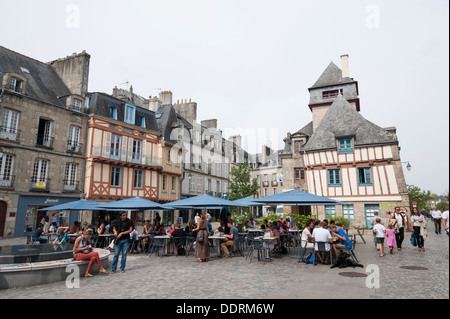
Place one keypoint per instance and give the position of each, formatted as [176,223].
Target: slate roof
[100,103]
[331,76]
[167,120]
[43,83]
[342,120]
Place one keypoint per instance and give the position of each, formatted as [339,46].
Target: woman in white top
[400,228]
[416,222]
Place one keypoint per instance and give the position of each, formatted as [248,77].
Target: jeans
[121,246]
[400,236]
[419,238]
[40,240]
[437,225]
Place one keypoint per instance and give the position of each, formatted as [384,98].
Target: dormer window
[333,93]
[15,85]
[76,105]
[345,145]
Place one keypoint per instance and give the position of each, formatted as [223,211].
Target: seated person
[37,235]
[246,226]
[307,238]
[232,239]
[177,236]
[75,228]
[322,234]
[344,241]
[265,224]
[60,238]
[252,223]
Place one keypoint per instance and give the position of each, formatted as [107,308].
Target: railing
[70,186]
[40,185]
[274,183]
[105,152]
[265,184]
[9,133]
[7,181]
[45,140]
[73,146]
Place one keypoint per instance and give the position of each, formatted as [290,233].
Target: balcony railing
[70,186]
[45,140]
[73,146]
[9,133]
[265,184]
[40,185]
[7,181]
[274,183]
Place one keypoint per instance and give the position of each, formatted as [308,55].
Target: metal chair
[302,247]
[321,248]
[259,247]
[158,243]
[190,240]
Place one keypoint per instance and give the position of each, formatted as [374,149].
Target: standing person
[380,232]
[122,229]
[390,241]
[416,222]
[196,218]
[401,224]
[437,216]
[373,222]
[202,243]
[83,251]
[445,221]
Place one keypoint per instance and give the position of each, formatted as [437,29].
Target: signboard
[414,204]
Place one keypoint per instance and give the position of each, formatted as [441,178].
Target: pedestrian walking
[380,232]
[122,229]
[401,225]
[437,218]
[416,222]
[445,221]
[373,222]
[390,240]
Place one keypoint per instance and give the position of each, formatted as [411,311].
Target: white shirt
[436,214]
[445,215]
[380,230]
[322,235]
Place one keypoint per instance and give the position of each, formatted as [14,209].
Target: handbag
[200,239]
[413,240]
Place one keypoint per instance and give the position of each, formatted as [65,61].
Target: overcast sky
[249,63]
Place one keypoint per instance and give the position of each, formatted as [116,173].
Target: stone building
[342,155]
[43,126]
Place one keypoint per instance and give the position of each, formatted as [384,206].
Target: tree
[241,183]
[421,197]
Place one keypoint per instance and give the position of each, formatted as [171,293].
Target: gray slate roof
[331,76]
[43,83]
[342,120]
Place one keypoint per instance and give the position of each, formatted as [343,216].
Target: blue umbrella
[297,197]
[76,205]
[135,203]
[203,201]
[248,202]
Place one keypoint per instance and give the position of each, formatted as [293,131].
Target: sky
[249,63]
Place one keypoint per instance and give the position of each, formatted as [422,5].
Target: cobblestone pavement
[178,277]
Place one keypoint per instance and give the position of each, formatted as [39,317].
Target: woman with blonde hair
[83,251]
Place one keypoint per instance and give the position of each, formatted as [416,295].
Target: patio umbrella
[203,201]
[75,205]
[297,197]
[136,203]
[247,202]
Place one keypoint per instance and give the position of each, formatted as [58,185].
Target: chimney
[166,98]
[115,91]
[344,63]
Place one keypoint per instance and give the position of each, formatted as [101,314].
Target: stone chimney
[187,110]
[344,63]
[152,104]
[74,71]
[236,139]
[115,91]
[210,123]
[166,98]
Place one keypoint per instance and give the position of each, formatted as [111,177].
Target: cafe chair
[258,246]
[158,243]
[302,246]
[321,248]
[190,240]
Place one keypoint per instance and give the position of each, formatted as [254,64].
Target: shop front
[29,213]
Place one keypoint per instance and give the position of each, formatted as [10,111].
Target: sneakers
[228,256]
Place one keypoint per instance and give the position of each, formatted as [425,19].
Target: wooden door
[3,207]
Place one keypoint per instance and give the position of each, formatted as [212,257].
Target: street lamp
[408,165]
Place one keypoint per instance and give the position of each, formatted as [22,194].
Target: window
[265,192]
[274,191]
[137,150]
[370,210]
[70,177]
[174,184]
[302,173]
[298,146]
[349,212]
[116,174]
[39,177]
[334,177]
[299,174]
[113,112]
[15,85]
[73,143]
[76,105]
[115,146]
[44,133]
[142,121]
[138,178]
[6,167]
[330,211]
[333,93]
[10,121]
[345,145]
[365,176]
[274,176]
[129,114]
[164,182]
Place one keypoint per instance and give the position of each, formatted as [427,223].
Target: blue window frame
[330,211]
[345,145]
[116,176]
[142,121]
[365,176]
[130,112]
[113,112]
[334,177]
[349,212]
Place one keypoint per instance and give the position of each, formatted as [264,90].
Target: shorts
[380,240]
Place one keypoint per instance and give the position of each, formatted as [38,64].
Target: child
[60,239]
[380,232]
[390,241]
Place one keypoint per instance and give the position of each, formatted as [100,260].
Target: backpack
[309,259]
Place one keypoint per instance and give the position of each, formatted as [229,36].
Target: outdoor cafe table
[267,239]
[166,238]
[296,233]
[108,238]
[217,239]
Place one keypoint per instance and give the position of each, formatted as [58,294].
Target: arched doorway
[3,208]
